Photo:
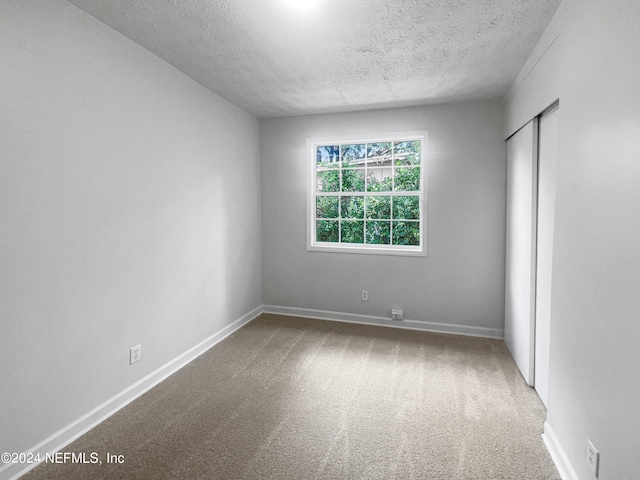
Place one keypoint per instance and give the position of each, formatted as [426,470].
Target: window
[367,196]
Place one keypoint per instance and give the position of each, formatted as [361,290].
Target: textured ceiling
[273,60]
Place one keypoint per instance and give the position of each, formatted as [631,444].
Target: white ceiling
[273,60]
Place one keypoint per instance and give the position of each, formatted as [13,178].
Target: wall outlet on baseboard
[365,295]
[397,314]
[593,458]
[135,354]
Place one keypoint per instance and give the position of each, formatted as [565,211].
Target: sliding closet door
[519,328]
[547,166]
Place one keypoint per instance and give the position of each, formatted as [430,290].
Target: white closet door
[519,328]
[547,166]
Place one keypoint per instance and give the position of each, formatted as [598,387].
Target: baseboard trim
[386,322]
[558,455]
[71,432]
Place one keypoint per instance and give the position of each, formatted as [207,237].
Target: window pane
[328,179]
[378,233]
[353,180]
[407,179]
[368,194]
[406,153]
[406,233]
[327,207]
[353,155]
[379,154]
[379,207]
[352,207]
[379,180]
[327,231]
[352,231]
[406,208]
[326,154]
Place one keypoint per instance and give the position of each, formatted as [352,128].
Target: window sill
[368,250]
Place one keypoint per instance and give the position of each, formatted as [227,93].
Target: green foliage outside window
[406,233]
[374,184]
[351,181]
[379,207]
[407,179]
[378,233]
[406,208]
[327,207]
[352,231]
[327,230]
[352,207]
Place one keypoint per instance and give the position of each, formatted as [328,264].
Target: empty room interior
[320,239]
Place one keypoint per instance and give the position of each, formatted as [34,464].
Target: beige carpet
[293,398]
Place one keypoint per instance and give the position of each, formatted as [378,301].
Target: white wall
[129,213]
[536,86]
[460,282]
[595,333]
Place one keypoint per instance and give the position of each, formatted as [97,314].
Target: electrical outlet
[397,314]
[135,354]
[593,458]
[365,295]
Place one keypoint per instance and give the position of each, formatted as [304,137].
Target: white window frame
[406,250]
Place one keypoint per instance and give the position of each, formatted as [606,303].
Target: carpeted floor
[294,398]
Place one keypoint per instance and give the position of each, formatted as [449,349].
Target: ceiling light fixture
[302,4]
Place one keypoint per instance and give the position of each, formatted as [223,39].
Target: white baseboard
[386,322]
[558,456]
[69,433]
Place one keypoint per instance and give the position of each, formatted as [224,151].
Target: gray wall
[595,332]
[460,282]
[129,213]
